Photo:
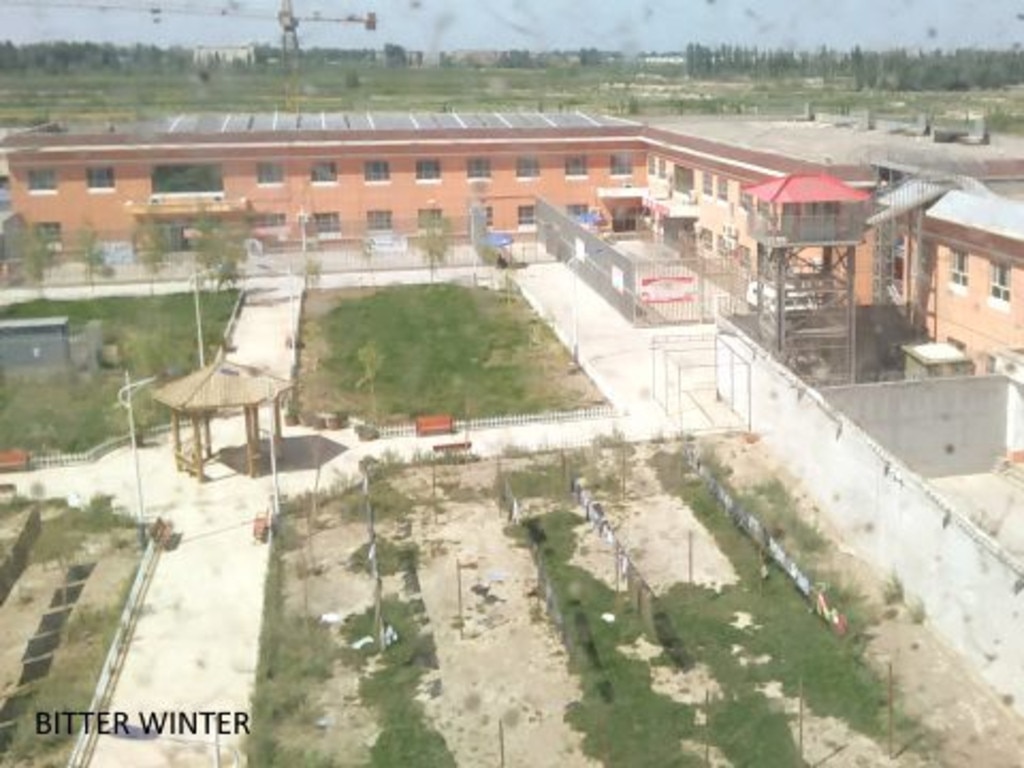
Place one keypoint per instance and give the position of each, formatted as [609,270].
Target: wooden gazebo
[222,386]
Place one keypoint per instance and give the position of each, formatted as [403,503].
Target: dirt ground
[505,663]
[937,687]
[659,532]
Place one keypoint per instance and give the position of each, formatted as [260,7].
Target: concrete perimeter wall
[971,590]
[954,426]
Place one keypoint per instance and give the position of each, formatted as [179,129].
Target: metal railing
[81,754]
[847,226]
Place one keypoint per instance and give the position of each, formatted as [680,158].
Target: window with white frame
[376,170]
[478,168]
[99,178]
[489,212]
[378,221]
[42,180]
[576,165]
[527,216]
[324,172]
[707,184]
[652,165]
[327,223]
[269,220]
[723,189]
[622,164]
[958,268]
[428,170]
[1000,290]
[268,174]
[527,167]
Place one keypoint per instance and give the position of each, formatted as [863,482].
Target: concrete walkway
[196,644]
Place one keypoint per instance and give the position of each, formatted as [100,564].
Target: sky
[630,26]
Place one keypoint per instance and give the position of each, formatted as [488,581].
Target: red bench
[14,461]
[431,426]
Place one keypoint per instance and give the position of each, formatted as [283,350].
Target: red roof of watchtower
[801,188]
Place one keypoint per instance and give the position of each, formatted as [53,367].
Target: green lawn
[442,349]
[154,336]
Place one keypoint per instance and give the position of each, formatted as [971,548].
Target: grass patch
[154,336]
[442,349]
[62,536]
[295,655]
[834,672]
[405,738]
[772,503]
[391,558]
[623,721]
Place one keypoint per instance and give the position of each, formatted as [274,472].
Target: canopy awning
[497,239]
[801,188]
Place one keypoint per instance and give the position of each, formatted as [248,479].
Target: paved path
[196,644]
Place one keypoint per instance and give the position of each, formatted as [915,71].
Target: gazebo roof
[806,188]
[223,384]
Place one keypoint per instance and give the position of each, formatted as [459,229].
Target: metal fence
[647,282]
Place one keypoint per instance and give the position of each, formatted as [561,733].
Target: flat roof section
[33,322]
[988,213]
[828,144]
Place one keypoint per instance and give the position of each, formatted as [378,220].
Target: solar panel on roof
[336,122]
[358,122]
[209,123]
[186,124]
[263,122]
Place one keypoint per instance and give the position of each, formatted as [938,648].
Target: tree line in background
[898,70]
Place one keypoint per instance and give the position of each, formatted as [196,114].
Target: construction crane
[286,18]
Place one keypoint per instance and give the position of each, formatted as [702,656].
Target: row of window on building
[208,177]
[999,276]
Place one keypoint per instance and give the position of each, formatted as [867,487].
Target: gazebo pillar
[176,436]
[197,447]
[209,440]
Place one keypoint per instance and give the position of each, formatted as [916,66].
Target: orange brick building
[339,175]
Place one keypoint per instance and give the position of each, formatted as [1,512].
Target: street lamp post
[199,320]
[124,397]
[573,265]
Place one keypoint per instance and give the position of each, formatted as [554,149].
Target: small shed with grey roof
[222,386]
[38,344]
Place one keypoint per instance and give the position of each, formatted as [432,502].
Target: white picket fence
[46,460]
[510,420]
